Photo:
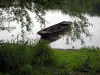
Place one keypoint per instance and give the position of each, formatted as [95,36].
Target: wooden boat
[54,32]
[47,32]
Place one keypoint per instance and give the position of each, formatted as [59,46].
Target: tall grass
[43,54]
[13,56]
[24,59]
[86,60]
[19,59]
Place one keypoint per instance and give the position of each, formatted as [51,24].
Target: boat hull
[54,32]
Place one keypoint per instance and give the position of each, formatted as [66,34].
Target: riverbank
[23,59]
[83,59]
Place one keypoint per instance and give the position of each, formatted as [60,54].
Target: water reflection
[94,41]
[61,43]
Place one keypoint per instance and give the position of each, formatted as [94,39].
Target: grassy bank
[83,60]
[23,59]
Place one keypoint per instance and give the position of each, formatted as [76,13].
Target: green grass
[81,60]
[23,59]
[65,56]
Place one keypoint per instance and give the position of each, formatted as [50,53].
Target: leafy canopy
[17,10]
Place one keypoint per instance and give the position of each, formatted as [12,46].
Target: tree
[17,10]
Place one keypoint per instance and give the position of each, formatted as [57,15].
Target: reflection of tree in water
[80,27]
[16,11]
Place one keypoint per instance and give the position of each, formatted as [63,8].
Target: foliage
[23,59]
[18,10]
[43,54]
[85,60]
[26,69]
[12,56]
[4,74]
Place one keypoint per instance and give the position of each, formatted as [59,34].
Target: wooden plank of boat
[55,28]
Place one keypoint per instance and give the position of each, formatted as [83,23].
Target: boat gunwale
[56,25]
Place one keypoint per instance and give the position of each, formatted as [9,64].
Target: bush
[43,54]
[83,65]
[4,74]
[26,69]
[19,59]
[42,71]
[12,56]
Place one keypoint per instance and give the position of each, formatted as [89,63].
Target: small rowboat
[52,30]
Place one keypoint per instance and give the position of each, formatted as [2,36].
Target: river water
[93,41]
[56,17]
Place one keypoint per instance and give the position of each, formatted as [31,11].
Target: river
[56,17]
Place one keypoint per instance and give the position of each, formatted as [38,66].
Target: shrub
[84,65]
[43,54]
[26,69]
[4,74]
[12,56]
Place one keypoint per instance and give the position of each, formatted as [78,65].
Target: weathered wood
[55,28]
[52,33]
